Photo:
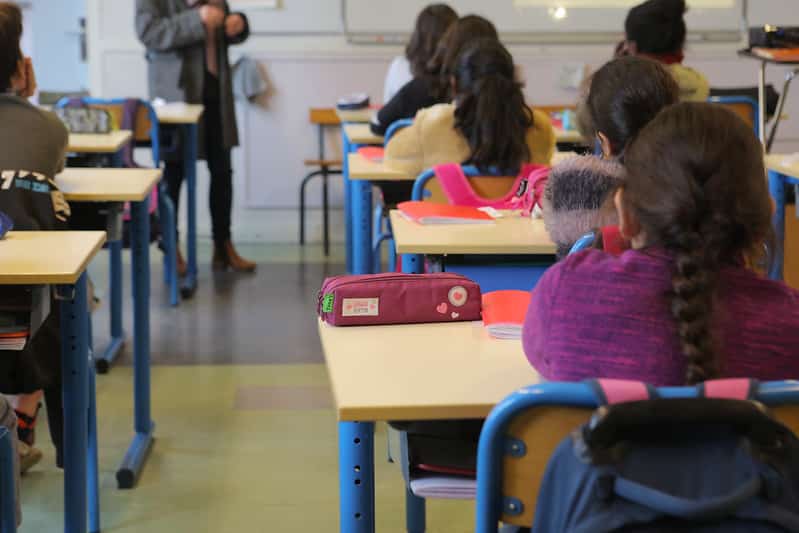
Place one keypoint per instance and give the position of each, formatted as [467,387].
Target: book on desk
[430,213]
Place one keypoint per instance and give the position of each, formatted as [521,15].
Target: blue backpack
[705,464]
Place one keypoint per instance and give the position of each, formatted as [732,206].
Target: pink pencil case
[391,298]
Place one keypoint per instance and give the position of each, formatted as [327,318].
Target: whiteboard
[538,21]
[291,17]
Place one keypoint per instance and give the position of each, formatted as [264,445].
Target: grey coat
[175,39]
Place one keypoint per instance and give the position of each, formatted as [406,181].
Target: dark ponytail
[431,25]
[10,37]
[490,109]
[695,183]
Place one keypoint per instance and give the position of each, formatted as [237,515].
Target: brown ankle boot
[225,256]
[181,264]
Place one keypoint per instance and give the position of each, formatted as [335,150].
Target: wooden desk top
[514,235]
[358,115]
[107,184]
[361,134]
[47,257]
[179,113]
[98,143]
[421,371]
[361,168]
[782,164]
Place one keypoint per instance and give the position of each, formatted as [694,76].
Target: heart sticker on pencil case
[455,315]
[442,308]
[458,296]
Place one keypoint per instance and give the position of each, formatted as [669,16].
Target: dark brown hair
[431,25]
[460,34]
[10,36]
[626,94]
[657,26]
[490,109]
[696,184]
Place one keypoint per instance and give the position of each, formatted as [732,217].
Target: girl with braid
[685,303]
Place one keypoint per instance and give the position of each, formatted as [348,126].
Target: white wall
[56,44]
[307,71]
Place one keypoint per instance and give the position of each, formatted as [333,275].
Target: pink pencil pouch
[391,298]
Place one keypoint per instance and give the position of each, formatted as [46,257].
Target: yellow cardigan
[433,140]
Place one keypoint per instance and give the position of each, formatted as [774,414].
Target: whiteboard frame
[555,38]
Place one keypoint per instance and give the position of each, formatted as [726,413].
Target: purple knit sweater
[596,315]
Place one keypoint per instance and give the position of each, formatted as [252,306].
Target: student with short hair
[624,96]
[431,24]
[489,125]
[684,304]
[656,29]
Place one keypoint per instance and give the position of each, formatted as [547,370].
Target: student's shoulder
[19,109]
[436,115]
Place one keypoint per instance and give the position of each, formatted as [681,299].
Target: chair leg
[304,183]
[325,213]
[168,219]
[415,519]
[377,239]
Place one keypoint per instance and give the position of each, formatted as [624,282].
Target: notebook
[373,153]
[778,54]
[428,213]
[504,312]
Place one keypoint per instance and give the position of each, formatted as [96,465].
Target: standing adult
[187,51]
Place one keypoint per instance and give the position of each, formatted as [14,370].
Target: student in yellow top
[489,125]
[656,29]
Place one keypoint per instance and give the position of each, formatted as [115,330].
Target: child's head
[431,25]
[695,185]
[460,34]
[656,27]
[490,109]
[625,95]
[11,58]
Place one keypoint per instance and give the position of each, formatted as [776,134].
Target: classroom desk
[98,143]
[356,115]
[783,171]
[187,117]
[60,258]
[568,136]
[413,372]
[134,186]
[361,134]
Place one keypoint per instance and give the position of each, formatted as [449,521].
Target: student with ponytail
[684,304]
[488,125]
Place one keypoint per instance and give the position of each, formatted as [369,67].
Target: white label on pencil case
[360,307]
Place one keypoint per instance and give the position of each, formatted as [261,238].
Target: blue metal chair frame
[382,224]
[583,243]
[494,444]
[741,100]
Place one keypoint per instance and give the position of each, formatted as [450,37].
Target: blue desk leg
[345,167]
[132,464]
[415,515]
[168,219]
[8,497]
[356,463]
[190,168]
[75,368]
[776,185]
[93,468]
[412,263]
[103,362]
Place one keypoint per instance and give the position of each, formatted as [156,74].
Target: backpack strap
[454,183]
[612,240]
[613,391]
[729,389]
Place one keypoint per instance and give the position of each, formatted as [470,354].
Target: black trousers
[220,193]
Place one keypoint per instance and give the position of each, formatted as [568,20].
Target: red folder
[504,312]
[435,213]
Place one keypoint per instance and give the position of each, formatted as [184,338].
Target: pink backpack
[525,194]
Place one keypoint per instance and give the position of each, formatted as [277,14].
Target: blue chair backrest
[734,101]
[470,171]
[523,430]
[155,140]
[583,243]
[395,127]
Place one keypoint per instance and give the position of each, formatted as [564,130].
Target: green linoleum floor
[218,468]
